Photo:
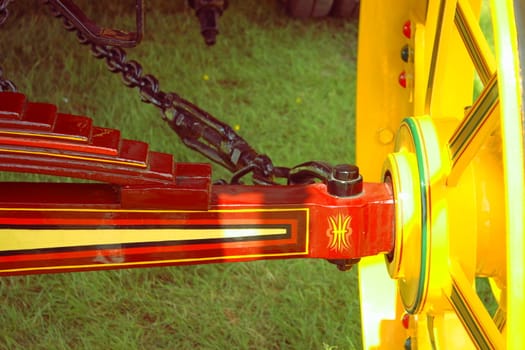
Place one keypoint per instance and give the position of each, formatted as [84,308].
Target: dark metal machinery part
[342,180]
[198,129]
[345,181]
[99,35]
[208,12]
[202,132]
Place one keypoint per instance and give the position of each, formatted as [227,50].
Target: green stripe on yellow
[474,40]
[468,320]
[471,311]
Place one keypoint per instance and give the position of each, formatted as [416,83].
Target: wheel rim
[512,126]
[455,142]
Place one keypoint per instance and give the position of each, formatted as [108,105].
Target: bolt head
[345,181]
[386,136]
[408,344]
[405,53]
[346,172]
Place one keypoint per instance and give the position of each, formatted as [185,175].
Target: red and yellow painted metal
[447,205]
[456,166]
[152,212]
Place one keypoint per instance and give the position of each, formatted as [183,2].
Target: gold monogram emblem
[339,232]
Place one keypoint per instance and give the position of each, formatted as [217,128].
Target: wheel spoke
[475,41]
[435,53]
[500,318]
[472,313]
[448,72]
[480,121]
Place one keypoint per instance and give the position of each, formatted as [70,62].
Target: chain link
[5,84]
[197,129]
[4,12]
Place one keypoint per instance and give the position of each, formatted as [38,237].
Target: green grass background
[288,85]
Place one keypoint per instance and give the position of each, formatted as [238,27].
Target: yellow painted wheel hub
[456,168]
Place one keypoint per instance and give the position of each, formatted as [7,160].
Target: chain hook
[196,128]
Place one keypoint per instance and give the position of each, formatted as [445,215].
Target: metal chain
[198,129]
[4,12]
[5,84]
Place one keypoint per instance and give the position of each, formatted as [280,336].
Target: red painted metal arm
[155,213]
